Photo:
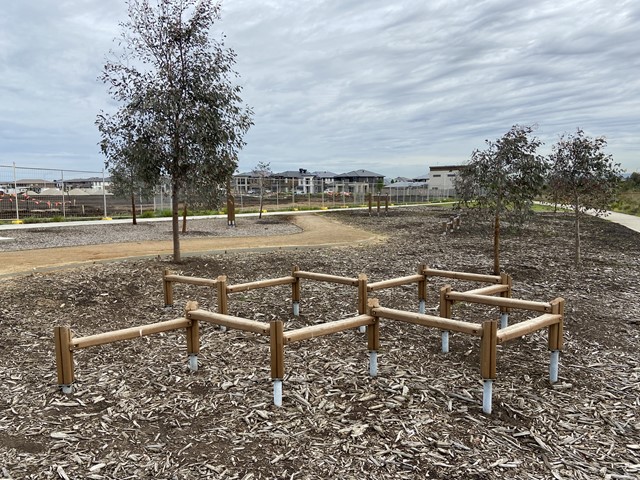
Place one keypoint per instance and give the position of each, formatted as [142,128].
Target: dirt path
[317,230]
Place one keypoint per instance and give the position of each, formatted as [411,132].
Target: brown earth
[317,231]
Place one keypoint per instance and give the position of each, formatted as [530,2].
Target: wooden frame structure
[370,313]
[500,284]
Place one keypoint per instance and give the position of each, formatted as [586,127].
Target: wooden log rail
[66,344]
[501,284]
[488,331]
[169,278]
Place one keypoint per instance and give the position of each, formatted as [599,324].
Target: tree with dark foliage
[178,102]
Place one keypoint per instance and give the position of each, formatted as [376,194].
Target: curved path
[317,231]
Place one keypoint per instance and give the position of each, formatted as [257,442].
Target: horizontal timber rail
[274,282]
[471,277]
[322,277]
[528,326]
[65,344]
[169,278]
[429,321]
[394,282]
[499,301]
[322,329]
[237,323]
[129,333]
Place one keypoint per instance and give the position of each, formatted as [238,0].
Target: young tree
[583,176]
[178,100]
[262,171]
[503,180]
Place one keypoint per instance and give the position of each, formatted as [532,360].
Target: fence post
[362,298]
[488,353]
[193,337]
[369,202]
[276,331]
[167,286]
[556,338]
[295,291]
[373,337]
[64,358]
[446,311]
[223,307]
[505,279]
[422,289]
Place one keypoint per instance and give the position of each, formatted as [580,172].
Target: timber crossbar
[322,277]
[499,301]
[320,330]
[273,282]
[428,320]
[66,344]
[169,278]
[237,323]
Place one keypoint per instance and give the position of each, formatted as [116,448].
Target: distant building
[359,181]
[300,181]
[442,180]
[91,183]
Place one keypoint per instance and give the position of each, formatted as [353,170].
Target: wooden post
[167,286]
[386,204]
[446,311]
[505,279]
[362,293]
[231,211]
[369,202]
[193,330]
[222,295]
[422,288]
[378,204]
[64,355]
[556,331]
[446,306]
[277,349]
[295,291]
[488,349]
[373,332]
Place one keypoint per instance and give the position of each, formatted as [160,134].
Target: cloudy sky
[338,85]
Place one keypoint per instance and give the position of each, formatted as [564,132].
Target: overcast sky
[392,87]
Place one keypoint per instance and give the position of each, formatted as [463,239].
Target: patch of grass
[148,214]
[628,202]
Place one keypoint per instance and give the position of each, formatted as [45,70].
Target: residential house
[300,181]
[358,182]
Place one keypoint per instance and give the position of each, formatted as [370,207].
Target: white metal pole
[15,191]
[104,193]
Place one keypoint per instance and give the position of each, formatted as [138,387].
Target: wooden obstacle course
[369,314]
[452,225]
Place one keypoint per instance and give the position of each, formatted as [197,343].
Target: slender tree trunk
[496,244]
[175,223]
[133,208]
[261,202]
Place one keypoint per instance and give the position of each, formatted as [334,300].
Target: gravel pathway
[79,235]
